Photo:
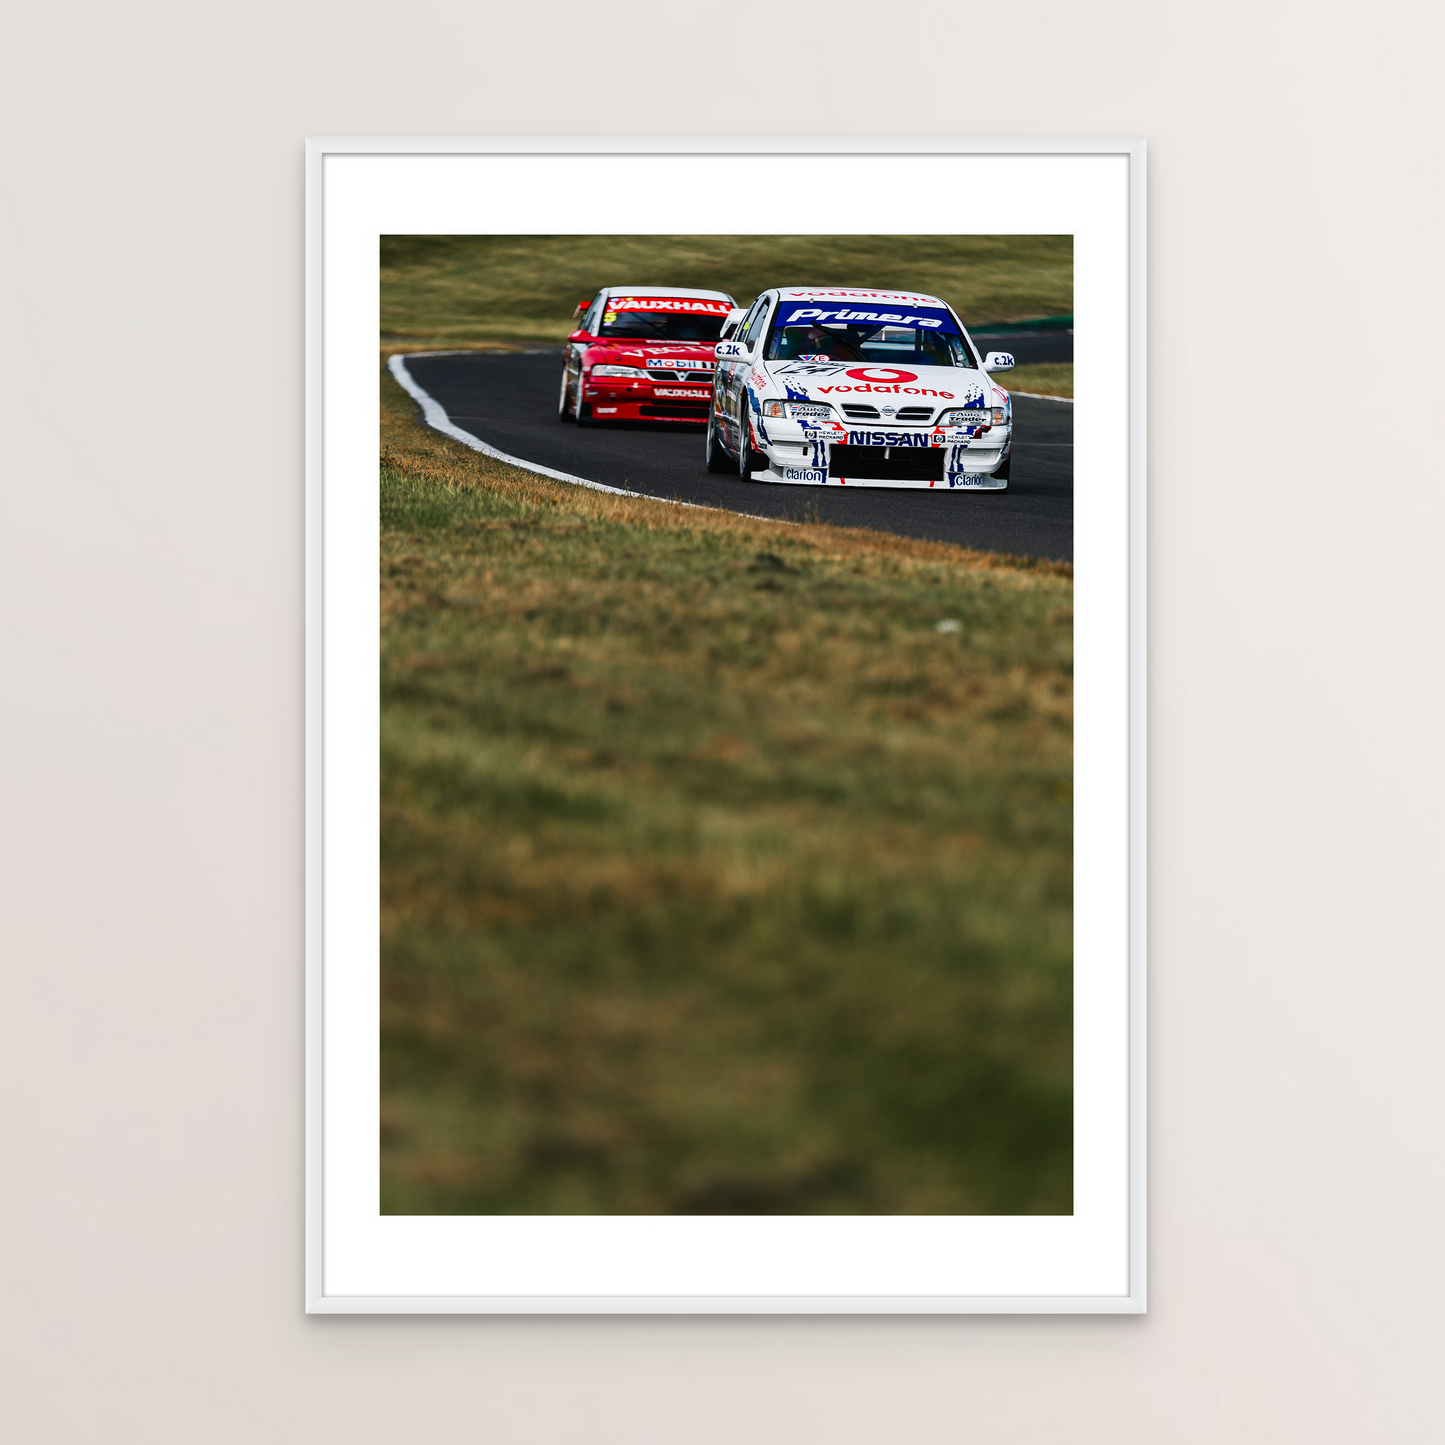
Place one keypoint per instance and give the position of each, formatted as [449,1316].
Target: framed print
[726,732]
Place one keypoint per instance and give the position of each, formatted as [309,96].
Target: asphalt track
[509,400]
[1028,348]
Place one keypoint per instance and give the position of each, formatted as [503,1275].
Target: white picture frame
[360,1262]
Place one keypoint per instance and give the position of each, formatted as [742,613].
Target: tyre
[749,461]
[564,400]
[1001,475]
[717,459]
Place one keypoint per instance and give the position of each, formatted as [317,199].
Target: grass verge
[726,865]
[524,288]
[1054,378]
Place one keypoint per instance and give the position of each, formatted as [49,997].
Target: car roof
[679,291]
[854,293]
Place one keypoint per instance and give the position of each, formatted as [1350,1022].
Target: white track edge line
[437,418]
[1043,396]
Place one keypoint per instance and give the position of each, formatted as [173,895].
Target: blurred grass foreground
[726,864]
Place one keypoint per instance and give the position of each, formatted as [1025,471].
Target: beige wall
[150,571]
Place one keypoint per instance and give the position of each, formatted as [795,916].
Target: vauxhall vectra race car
[863,388]
[642,353]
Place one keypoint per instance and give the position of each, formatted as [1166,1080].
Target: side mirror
[998,361]
[581,307]
[580,336]
[731,351]
[730,324]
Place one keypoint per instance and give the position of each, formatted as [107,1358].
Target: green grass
[524,288]
[1053,378]
[716,878]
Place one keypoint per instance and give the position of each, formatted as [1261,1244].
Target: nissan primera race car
[642,353]
[862,388]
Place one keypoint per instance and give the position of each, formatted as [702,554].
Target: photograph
[726,739]
[657,790]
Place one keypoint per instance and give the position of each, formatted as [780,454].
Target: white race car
[864,388]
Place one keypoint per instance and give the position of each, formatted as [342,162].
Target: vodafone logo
[882,373]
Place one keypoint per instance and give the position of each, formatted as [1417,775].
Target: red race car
[643,353]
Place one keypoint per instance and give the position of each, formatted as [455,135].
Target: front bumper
[616,399]
[868,455]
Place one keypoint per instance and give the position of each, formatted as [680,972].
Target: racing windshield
[663,318]
[822,331]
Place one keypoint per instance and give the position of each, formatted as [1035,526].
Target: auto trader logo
[881,373]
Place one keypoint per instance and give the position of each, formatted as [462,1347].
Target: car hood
[875,384]
[650,353]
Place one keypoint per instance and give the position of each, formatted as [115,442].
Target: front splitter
[632,411]
[977,482]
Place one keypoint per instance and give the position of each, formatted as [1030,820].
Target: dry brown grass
[715,877]
[1054,378]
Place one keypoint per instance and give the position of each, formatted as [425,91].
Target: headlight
[635,372]
[794,409]
[964,416]
[1000,415]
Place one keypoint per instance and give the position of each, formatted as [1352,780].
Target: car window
[922,336]
[813,343]
[740,331]
[663,318]
[971,355]
[754,325]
